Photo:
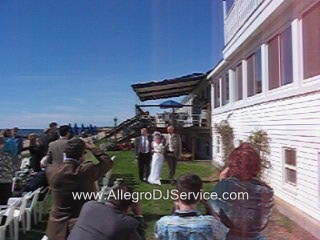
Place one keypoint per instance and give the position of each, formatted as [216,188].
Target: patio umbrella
[91,130]
[170,104]
[75,129]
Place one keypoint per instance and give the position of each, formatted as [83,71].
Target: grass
[125,163]
[126,166]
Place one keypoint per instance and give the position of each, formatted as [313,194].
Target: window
[254,73]
[238,83]
[216,86]
[290,166]
[280,59]
[225,84]
[311,43]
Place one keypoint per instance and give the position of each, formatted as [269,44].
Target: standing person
[186,221]
[157,159]
[143,154]
[56,148]
[7,168]
[73,176]
[18,139]
[110,220]
[36,150]
[173,151]
[10,145]
[50,135]
[246,218]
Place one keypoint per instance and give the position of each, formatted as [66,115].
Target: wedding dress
[156,163]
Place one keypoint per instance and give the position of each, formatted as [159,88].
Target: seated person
[246,218]
[36,180]
[106,221]
[187,222]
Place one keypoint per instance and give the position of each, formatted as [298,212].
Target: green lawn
[126,166]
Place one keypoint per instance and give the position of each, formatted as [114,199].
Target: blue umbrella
[170,104]
[91,130]
[95,129]
[75,129]
[83,129]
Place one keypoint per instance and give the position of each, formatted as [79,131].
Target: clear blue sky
[75,60]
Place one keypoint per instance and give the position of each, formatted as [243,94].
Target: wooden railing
[238,15]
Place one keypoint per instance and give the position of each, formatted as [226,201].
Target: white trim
[244,80]
[296,57]
[232,84]
[264,69]
[319,179]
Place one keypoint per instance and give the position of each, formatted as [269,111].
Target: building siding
[294,123]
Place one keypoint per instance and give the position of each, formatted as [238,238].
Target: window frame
[290,167]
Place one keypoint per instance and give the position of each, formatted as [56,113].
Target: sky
[73,61]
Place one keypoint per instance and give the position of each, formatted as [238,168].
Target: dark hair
[244,162]
[1,140]
[64,130]
[53,124]
[190,184]
[6,132]
[75,148]
[120,201]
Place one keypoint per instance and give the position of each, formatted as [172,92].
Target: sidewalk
[288,223]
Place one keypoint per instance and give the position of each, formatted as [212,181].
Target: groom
[143,154]
[173,151]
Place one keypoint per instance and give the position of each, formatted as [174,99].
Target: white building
[269,79]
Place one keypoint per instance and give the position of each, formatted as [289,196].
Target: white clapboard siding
[290,123]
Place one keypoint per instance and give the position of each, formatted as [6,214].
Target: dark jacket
[37,153]
[65,180]
[103,221]
[246,218]
[138,144]
[36,181]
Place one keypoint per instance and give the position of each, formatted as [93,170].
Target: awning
[168,88]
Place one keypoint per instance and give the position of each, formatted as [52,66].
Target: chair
[3,228]
[42,203]
[18,214]
[30,208]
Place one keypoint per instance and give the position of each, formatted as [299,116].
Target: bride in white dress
[157,159]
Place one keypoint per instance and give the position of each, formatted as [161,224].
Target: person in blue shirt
[186,221]
[10,145]
[18,139]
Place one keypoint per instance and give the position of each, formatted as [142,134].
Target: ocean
[26,132]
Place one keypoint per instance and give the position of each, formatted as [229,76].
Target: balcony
[239,13]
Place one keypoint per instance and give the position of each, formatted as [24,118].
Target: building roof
[168,88]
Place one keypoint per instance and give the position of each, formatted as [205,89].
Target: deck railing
[238,15]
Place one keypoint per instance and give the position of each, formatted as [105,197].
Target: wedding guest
[18,139]
[7,169]
[92,223]
[187,222]
[36,150]
[246,217]
[50,135]
[56,148]
[173,151]
[10,145]
[157,159]
[143,154]
[74,175]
